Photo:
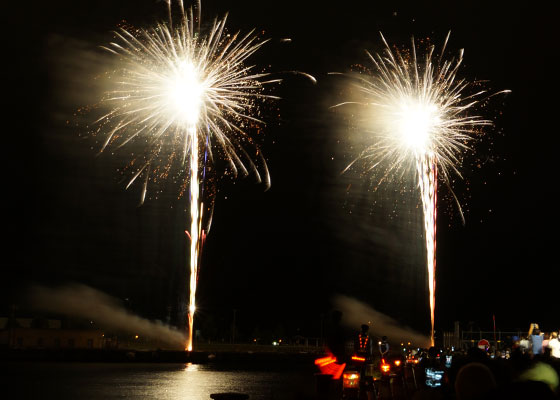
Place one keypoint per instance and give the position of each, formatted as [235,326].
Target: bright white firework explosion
[418,115]
[179,92]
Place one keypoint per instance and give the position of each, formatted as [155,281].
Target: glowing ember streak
[321,362]
[427,177]
[176,91]
[329,365]
[418,115]
[196,220]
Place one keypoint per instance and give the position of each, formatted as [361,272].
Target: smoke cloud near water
[84,302]
[355,313]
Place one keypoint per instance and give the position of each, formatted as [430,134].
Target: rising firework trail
[180,91]
[419,119]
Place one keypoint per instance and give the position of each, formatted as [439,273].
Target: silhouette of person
[384,347]
[536,339]
[554,345]
[431,361]
[474,381]
[362,345]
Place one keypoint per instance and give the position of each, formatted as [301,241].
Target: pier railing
[466,339]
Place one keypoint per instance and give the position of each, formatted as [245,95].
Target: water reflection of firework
[178,91]
[418,117]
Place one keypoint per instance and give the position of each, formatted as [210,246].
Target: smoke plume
[355,313]
[84,302]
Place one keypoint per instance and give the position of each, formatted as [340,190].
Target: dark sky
[279,256]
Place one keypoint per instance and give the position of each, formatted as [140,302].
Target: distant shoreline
[278,357]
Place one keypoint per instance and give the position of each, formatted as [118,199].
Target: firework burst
[419,119]
[180,92]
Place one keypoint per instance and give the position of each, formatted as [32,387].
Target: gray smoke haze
[355,313]
[82,301]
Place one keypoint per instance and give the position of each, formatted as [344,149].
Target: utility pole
[233,327]
[321,329]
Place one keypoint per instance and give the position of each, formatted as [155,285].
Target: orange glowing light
[356,358]
[329,366]
[350,380]
[397,362]
[321,362]
[384,366]
[338,371]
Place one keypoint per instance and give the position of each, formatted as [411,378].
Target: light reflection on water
[152,381]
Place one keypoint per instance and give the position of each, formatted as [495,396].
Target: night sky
[279,256]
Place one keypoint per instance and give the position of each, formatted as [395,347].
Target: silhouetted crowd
[530,369]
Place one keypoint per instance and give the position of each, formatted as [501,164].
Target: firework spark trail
[418,115]
[427,181]
[178,89]
[196,220]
